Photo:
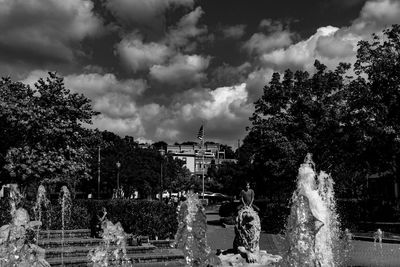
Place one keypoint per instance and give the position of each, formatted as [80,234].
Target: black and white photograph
[199,133]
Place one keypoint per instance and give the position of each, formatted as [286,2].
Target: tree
[44,137]
[350,124]
[375,102]
[296,115]
[160,145]
[229,154]
[140,167]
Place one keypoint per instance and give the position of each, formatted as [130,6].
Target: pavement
[363,253]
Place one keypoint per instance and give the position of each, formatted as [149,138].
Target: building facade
[197,158]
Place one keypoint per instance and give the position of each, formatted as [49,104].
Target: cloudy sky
[156,69]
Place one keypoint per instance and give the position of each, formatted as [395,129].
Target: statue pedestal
[246,243]
[262,258]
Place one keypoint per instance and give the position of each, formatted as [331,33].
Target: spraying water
[112,251]
[16,248]
[41,201]
[191,233]
[65,201]
[312,230]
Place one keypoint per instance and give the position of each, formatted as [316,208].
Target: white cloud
[123,114]
[256,81]
[47,30]
[182,69]
[336,45]
[260,43]
[302,55]
[186,29]
[141,56]
[94,85]
[129,126]
[377,14]
[167,55]
[225,104]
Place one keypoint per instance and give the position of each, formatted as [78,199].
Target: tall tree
[44,140]
[350,125]
[375,102]
[296,114]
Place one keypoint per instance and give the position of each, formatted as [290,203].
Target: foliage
[140,168]
[151,218]
[272,214]
[295,115]
[44,140]
[5,216]
[374,101]
[350,125]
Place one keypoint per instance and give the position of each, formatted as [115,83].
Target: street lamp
[162,153]
[118,164]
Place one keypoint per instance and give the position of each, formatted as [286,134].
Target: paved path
[363,253]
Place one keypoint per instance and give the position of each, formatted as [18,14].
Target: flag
[200,135]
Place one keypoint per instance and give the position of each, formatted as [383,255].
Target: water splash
[16,248]
[378,236]
[112,250]
[312,230]
[191,233]
[41,201]
[65,202]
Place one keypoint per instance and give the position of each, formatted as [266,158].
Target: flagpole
[202,146]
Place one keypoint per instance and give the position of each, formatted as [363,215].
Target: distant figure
[247,198]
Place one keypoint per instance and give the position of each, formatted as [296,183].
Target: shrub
[5,216]
[149,218]
[272,215]
[142,217]
[228,209]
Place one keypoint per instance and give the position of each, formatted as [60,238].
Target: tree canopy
[43,139]
[350,124]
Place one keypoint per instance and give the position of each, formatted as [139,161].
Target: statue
[247,233]
[246,249]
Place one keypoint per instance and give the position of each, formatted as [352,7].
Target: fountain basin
[387,237]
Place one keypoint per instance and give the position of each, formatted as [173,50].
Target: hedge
[140,217]
[354,214]
[143,217]
[5,216]
[272,215]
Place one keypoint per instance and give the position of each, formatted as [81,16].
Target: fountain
[312,231]
[106,254]
[65,202]
[41,201]
[191,233]
[16,248]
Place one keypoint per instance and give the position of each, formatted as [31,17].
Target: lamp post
[98,173]
[162,153]
[118,164]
